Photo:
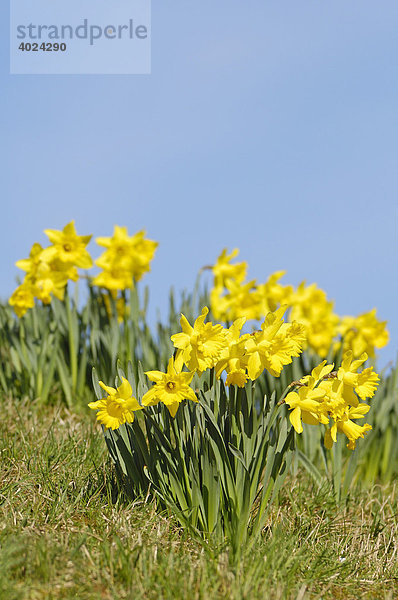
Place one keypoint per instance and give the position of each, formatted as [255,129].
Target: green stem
[35,322]
[127,340]
[22,340]
[72,345]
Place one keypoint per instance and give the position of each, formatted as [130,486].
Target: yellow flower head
[144,252]
[335,400]
[118,407]
[364,383]
[114,279]
[68,247]
[273,346]
[219,304]
[306,406]
[326,396]
[345,425]
[364,333]
[22,299]
[49,282]
[41,266]
[31,265]
[233,337]
[201,344]
[44,276]
[125,258]
[233,358]
[322,371]
[236,374]
[311,308]
[171,387]
[243,300]
[223,270]
[273,293]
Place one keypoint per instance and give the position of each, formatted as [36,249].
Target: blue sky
[271,126]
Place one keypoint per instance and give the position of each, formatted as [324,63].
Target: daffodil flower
[171,387]
[118,407]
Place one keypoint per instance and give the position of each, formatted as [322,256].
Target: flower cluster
[125,259]
[333,399]
[242,357]
[363,333]
[326,397]
[204,346]
[311,307]
[49,269]
[232,297]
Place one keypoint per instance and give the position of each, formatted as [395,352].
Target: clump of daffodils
[48,270]
[241,357]
[125,259]
[333,398]
[232,297]
[311,307]
[363,333]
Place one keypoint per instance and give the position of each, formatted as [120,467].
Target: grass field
[67,532]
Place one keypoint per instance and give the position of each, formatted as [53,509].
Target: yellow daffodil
[311,308]
[273,346]
[31,264]
[125,259]
[236,374]
[326,396]
[334,401]
[273,293]
[201,344]
[118,407]
[119,245]
[364,383]
[22,299]
[305,405]
[243,300]
[40,265]
[233,358]
[345,425]
[223,270]
[233,337]
[318,373]
[114,279]
[368,381]
[50,282]
[171,387]
[46,275]
[364,333]
[68,247]
[219,304]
